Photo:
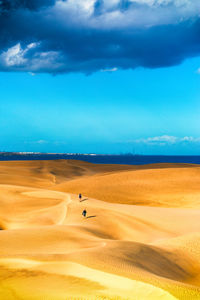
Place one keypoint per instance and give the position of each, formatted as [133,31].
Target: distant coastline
[128,159]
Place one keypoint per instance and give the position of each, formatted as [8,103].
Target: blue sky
[109,82]
[106,112]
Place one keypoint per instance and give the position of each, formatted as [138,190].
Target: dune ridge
[140,239]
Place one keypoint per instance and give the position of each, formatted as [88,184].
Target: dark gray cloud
[87,36]
[10,5]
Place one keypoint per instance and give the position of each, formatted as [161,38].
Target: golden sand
[140,240]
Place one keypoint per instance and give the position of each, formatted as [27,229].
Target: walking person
[84,213]
[80,197]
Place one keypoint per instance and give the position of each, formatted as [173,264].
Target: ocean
[104,159]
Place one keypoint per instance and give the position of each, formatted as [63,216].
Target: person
[84,213]
[80,197]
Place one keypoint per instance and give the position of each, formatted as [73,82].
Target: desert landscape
[139,240]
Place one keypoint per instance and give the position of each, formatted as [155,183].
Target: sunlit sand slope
[149,249]
[162,185]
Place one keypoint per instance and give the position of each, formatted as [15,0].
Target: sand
[140,240]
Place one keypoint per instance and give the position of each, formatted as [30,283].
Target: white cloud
[110,70]
[41,142]
[76,8]
[13,56]
[146,13]
[17,57]
[167,139]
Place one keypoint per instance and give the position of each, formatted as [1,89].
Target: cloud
[29,58]
[41,142]
[7,5]
[16,56]
[167,140]
[58,36]
[110,70]
[37,142]
[44,142]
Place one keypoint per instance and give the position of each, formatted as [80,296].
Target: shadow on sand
[90,217]
[84,200]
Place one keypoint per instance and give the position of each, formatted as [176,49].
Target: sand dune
[141,242]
